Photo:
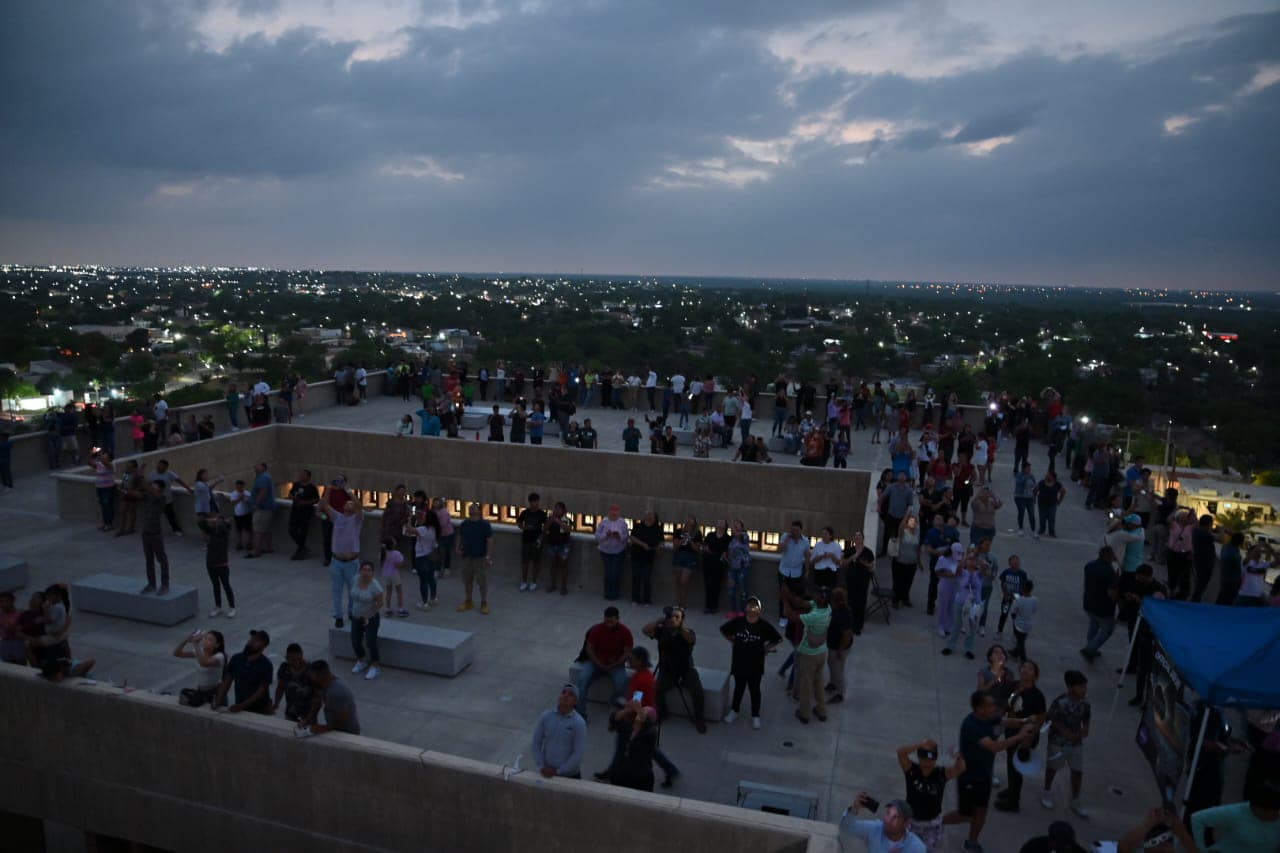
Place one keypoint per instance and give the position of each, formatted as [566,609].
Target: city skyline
[922,141]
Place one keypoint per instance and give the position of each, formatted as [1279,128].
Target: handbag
[893,547]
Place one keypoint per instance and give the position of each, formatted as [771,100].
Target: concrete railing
[153,772]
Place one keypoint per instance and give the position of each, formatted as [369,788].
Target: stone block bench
[13,573]
[715,688]
[777,444]
[116,595]
[421,648]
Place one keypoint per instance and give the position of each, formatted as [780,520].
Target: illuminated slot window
[770,542]
[493,512]
[754,538]
[586,522]
[509,514]
[456,507]
[668,529]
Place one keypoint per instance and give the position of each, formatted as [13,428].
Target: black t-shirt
[497,424]
[1047,494]
[558,533]
[219,537]
[1202,542]
[248,674]
[841,621]
[978,762]
[649,534]
[715,546]
[297,691]
[924,793]
[674,653]
[517,424]
[531,523]
[587,438]
[1099,579]
[1023,706]
[304,492]
[749,642]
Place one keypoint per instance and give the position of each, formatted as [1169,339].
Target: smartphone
[637,696]
[871,803]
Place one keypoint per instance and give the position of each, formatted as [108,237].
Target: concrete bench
[421,648]
[116,595]
[13,573]
[777,444]
[683,436]
[715,688]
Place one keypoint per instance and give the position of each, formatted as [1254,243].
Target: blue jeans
[738,589]
[957,625]
[779,419]
[446,550]
[107,503]
[107,440]
[1027,507]
[233,416]
[612,574]
[590,673]
[342,573]
[744,427]
[642,577]
[987,587]
[1100,630]
[426,568]
[977,534]
[684,411]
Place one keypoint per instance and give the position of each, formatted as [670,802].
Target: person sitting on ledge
[337,700]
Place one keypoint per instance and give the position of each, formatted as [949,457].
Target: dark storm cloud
[600,135]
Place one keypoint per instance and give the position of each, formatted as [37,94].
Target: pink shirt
[446,522]
[1180,536]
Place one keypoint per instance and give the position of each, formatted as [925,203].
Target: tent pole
[1195,758]
[1133,641]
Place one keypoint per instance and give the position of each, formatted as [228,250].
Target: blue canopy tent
[1230,656]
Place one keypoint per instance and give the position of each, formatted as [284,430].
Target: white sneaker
[1079,809]
[532,586]
[360,667]
[422,605]
[523,586]
[215,613]
[231,614]
[731,716]
[374,672]
[995,781]
[755,722]
[1046,800]
[1021,533]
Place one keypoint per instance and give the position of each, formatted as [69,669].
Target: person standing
[217,530]
[532,522]
[889,834]
[967,603]
[1024,487]
[1068,718]
[612,535]
[475,547]
[559,539]
[905,561]
[646,539]
[560,738]
[447,535]
[150,515]
[264,508]
[1177,554]
[1249,827]
[347,525]
[104,481]
[1049,494]
[1232,570]
[304,496]
[675,663]
[980,743]
[366,605]
[424,528]
[1101,592]
[1203,555]
[839,644]
[1026,705]
[926,784]
[739,559]
[715,564]
[811,655]
[166,477]
[860,563]
[752,638]
[984,515]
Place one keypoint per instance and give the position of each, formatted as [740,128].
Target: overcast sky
[1091,142]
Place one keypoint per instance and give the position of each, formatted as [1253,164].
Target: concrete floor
[901,689]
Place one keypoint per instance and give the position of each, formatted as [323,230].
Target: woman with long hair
[739,557]
[209,651]
[906,560]
[366,617]
[688,551]
[447,535]
[752,638]
[425,530]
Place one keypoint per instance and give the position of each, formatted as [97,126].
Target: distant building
[115,333]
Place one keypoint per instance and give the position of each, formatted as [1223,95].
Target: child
[242,500]
[1011,580]
[1068,719]
[405,427]
[1023,613]
[841,453]
[391,579]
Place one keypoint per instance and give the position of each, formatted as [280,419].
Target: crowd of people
[939,484]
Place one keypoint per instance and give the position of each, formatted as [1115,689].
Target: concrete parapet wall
[177,778]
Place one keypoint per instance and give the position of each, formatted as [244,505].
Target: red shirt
[643,681]
[610,644]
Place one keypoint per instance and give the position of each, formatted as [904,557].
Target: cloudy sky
[1092,142]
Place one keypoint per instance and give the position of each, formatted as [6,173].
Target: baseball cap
[262,635]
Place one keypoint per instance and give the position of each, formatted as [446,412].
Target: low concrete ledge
[715,687]
[116,595]
[13,573]
[421,648]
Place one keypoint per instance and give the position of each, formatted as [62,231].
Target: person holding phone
[888,833]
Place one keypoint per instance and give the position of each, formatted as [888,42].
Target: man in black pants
[1203,555]
[305,496]
[675,663]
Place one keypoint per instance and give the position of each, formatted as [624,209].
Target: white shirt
[745,414]
[162,410]
[362,376]
[241,500]
[826,556]
[262,388]
[695,387]
[677,383]
[652,380]
[501,374]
